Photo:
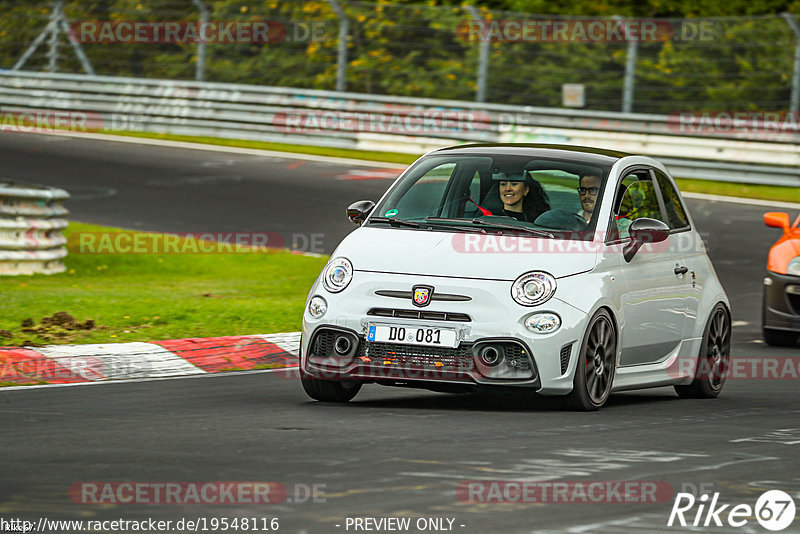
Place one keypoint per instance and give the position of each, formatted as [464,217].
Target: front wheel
[329,390]
[714,358]
[594,373]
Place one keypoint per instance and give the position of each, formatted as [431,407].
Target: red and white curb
[71,364]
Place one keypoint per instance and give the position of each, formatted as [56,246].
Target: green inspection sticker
[390,213]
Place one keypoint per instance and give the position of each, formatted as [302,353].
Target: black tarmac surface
[390,452]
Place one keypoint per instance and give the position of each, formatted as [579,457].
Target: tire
[714,358]
[329,390]
[780,338]
[594,373]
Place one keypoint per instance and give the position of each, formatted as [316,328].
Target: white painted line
[226,149]
[154,379]
[119,360]
[387,173]
[740,200]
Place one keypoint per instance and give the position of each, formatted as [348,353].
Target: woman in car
[523,198]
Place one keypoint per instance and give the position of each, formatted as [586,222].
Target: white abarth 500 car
[554,269]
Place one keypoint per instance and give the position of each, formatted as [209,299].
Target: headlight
[337,274]
[534,288]
[317,307]
[794,266]
[543,323]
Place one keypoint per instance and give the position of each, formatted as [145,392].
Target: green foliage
[411,49]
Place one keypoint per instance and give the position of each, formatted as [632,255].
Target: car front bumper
[781,308]
[543,363]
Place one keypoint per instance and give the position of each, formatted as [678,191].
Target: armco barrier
[379,122]
[31,221]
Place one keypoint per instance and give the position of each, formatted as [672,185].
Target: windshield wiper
[438,223]
[395,222]
[427,224]
[501,226]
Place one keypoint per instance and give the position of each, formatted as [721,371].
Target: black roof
[579,154]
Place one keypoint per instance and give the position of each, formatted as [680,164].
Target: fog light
[543,323]
[317,307]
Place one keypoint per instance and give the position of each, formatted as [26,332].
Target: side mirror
[358,211]
[776,219]
[643,231]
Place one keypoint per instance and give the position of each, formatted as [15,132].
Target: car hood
[461,254]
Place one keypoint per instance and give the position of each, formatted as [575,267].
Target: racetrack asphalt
[390,452]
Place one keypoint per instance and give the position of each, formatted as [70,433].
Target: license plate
[412,335]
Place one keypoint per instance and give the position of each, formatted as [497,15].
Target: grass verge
[149,297]
[733,189]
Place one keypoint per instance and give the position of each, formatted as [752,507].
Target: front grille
[417,357]
[566,350]
[420,314]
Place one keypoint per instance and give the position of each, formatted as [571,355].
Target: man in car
[589,188]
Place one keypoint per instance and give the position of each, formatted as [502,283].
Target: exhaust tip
[342,345]
[490,356]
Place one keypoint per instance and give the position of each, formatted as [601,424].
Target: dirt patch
[61,327]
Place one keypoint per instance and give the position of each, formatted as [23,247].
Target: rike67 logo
[774,510]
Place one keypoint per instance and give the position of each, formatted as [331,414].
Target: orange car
[781,308]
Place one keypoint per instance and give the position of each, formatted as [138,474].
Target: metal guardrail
[31,221]
[379,122]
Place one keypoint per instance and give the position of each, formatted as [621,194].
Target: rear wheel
[594,373]
[714,358]
[780,338]
[329,390]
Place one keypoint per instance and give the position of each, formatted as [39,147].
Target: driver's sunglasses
[591,190]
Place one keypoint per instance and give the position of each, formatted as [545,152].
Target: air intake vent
[420,314]
[566,350]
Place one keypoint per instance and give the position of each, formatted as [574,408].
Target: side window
[636,197]
[675,211]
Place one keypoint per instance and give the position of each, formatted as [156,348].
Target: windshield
[504,193]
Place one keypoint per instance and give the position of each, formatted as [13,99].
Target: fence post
[57,22]
[630,67]
[200,67]
[483,58]
[55,36]
[344,33]
[794,101]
